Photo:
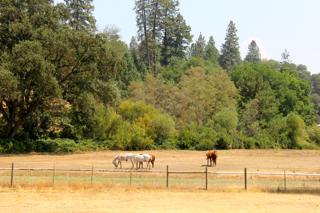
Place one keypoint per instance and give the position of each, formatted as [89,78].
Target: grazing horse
[152,161]
[212,156]
[121,157]
[140,158]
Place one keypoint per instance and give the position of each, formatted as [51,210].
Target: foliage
[278,92]
[45,61]
[230,54]
[81,14]
[253,55]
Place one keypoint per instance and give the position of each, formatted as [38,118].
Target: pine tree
[81,14]
[253,55]
[230,54]
[169,12]
[142,11]
[178,39]
[198,49]
[212,53]
[154,24]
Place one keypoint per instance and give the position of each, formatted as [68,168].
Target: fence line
[155,171]
[245,173]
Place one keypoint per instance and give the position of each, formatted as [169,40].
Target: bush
[192,136]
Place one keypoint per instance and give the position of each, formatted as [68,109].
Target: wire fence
[219,181]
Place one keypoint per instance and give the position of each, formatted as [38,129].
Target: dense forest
[67,87]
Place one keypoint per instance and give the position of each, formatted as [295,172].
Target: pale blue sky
[276,25]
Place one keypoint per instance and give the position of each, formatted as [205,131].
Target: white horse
[121,157]
[140,158]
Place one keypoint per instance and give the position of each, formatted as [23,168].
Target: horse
[152,161]
[215,156]
[140,158]
[121,157]
[212,156]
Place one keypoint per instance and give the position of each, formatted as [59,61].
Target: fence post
[285,182]
[12,174]
[206,178]
[167,176]
[92,175]
[245,178]
[54,171]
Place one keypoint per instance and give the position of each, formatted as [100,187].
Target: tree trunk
[165,39]
[154,38]
[146,34]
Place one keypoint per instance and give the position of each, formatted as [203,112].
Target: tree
[230,55]
[43,61]
[170,9]
[142,17]
[253,55]
[198,49]
[212,53]
[179,38]
[274,90]
[285,57]
[81,14]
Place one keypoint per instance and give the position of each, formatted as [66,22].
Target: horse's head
[127,158]
[114,164]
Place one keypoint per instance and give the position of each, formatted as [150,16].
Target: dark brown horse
[212,157]
[153,158]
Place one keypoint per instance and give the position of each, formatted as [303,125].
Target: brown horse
[212,156]
[153,158]
[215,156]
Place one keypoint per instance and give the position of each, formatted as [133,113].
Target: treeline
[66,87]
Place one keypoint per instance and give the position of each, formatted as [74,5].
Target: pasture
[39,195]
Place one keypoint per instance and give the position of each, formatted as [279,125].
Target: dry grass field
[75,196]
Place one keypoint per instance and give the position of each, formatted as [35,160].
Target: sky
[275,25]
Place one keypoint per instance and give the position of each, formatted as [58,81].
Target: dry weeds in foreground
[108,197]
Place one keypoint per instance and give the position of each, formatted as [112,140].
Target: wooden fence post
[285,182]
[12,174]
[54,171]
[206,178]
[92,175]
[245,178]
[167,176]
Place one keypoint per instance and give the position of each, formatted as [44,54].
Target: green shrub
[192,136]
[249,143]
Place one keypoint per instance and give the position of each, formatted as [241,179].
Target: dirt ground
[134,199]
[298,161]
[157,201]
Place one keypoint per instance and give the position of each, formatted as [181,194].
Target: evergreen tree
[133,50]
[253,55]
[285,57]
[154,22]
[81,14]
[169,12]
[142,11]
[179,38]
[198,49]
[212,53]
[230,54]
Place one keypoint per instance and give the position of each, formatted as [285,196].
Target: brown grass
[104,196]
